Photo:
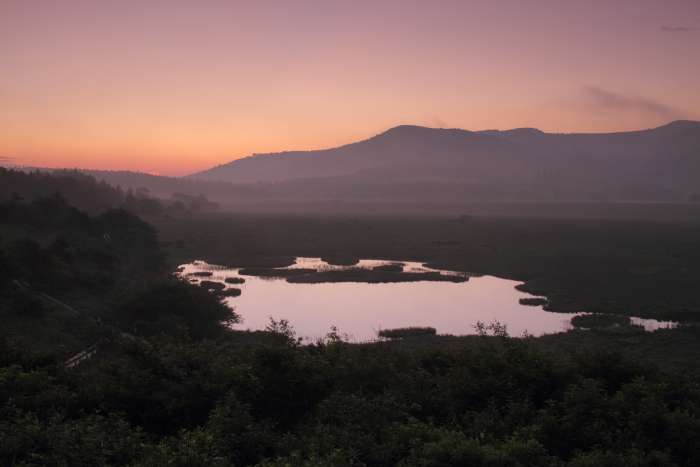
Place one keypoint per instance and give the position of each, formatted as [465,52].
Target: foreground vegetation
[61,270]
[197,394]
[503,401]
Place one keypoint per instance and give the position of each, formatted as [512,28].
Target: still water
[360,309]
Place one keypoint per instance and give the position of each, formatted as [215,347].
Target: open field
[598,210]
[642,267]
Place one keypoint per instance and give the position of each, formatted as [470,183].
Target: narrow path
[90,351]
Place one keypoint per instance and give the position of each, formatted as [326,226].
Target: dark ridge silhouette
[625,145]
[403,145]
[411,162]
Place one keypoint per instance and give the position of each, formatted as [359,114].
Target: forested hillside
[108,266]
[80,190]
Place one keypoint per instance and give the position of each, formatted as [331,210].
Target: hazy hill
[403,145]
[660,164]
[679,136]
[417,163]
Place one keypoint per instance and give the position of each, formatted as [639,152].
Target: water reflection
[652,324]
[362,309]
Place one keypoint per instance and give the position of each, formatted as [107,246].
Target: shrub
[400,333]
[204,313]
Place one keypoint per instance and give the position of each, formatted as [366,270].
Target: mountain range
[417,163]
[660,164]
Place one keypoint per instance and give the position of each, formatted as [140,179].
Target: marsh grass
[373,277]
[272,272]
[230,292]
[341,261]
[235,280]
[646,271]
[211,285]
[533,301]
[446,242]
[201,274]
[599,320]
[265,262]
[389,268]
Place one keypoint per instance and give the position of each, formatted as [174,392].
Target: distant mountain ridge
[417,163]
[406,144]
[418,154]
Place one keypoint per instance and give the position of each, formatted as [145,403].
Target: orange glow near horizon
[179,87]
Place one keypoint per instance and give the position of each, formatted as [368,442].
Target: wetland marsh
[357,303]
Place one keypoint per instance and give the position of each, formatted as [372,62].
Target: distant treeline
[543,185]
[539,186]
[162,186]
[81,190]
[86,193]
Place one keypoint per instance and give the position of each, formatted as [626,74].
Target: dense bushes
[174,300]
[80,189]
[87,252]
[504,402]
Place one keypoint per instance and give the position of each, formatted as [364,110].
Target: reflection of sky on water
[360,309]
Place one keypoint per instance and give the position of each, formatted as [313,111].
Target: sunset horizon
[176,88]
[107,164]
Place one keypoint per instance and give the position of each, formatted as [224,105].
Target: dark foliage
[211,285]
[504,402]
[599,320]
[533,301]
[235,280]
[205,314]
[265,272]
[401,333]
[389,268]
[61,266]
[81,190]
[230,292]
[201,274]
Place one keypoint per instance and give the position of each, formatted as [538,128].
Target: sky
[174,87]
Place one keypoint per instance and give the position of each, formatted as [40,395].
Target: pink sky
[175,87]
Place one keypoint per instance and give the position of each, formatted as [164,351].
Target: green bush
[205,314]
[503,402]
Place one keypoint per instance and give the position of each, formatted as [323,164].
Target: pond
[451,303]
